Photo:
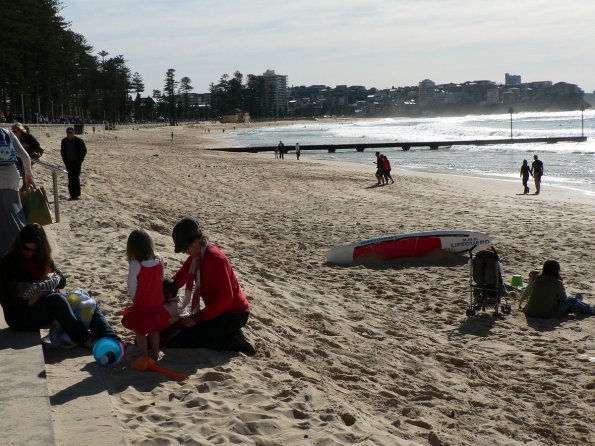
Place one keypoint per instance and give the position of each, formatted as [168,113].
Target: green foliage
[232,93]
[48,69]
[185,88]
[169,90]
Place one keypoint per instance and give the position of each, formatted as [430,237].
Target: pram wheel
[470,312]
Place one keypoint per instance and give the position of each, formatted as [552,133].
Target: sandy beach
[377,354]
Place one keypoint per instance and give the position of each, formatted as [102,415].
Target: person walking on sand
[73,151]
[379,169]
[297,151]
[281,148]
[525,172]
[387,168]
[147,315]
[276,152]
[537,172]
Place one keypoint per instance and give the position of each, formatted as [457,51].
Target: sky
[374,43]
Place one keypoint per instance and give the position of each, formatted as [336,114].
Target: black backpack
[486,270]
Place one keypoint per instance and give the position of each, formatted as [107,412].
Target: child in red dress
[147,315]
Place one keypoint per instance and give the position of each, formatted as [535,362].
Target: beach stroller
[486,285]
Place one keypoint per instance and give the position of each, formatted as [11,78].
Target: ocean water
[569,165]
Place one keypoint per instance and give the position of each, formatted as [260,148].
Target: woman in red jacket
[208,274]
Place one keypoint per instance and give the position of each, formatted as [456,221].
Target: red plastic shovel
[143,363]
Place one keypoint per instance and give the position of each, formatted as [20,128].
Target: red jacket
[386,163]
[219,286]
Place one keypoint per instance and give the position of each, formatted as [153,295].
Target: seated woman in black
[30,260]
[548,297]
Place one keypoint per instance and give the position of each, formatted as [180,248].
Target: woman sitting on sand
[207,273]
[548,298]
[30,260]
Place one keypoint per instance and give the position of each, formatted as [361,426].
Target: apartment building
[276,96]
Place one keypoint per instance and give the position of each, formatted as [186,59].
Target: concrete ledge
[25,412]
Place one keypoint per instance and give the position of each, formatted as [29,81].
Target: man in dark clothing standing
[537,172]
[281,148]
[73,151]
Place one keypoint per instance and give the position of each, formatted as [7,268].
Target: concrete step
[25,412]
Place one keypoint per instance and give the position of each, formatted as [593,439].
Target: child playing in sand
[529,288]
[147,315]
[32,292]
[170,300]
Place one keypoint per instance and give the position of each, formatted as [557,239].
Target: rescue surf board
[408,245]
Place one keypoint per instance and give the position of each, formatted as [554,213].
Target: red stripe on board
[411,247]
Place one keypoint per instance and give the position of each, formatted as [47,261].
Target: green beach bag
[36,206]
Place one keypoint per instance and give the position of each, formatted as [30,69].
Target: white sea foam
[566,164]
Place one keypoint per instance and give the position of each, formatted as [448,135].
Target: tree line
[249,94]
[49,73]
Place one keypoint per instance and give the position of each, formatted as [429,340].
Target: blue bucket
[108,352]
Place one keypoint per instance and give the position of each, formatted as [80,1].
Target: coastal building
[426,92]
[194,99]
[236,116]
[512,79]
[511,96]
[276,96]
[492,95]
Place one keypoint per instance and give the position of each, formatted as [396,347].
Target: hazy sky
[375,43]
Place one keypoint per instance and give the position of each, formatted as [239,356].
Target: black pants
[74,181]
[525,180]
[55,306]
[537,179]
[215,334]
